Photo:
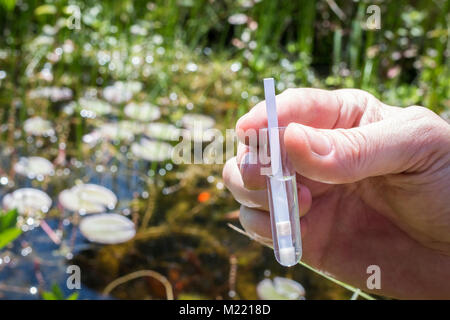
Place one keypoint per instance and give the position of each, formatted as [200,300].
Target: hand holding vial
[373,185]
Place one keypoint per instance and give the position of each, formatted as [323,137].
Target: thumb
[349,155]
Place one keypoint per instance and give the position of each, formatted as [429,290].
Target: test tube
[282,188]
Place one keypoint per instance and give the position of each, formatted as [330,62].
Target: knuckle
[226,172]
[352,155]
[426,124]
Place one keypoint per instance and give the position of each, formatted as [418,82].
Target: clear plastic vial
[283,204]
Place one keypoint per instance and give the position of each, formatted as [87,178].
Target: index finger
[311,107]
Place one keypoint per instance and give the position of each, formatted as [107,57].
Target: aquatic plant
[162,131]
[152,150]
[121,92]
[87,198]
[38,127]
[57,294]
[34,167]
[55,94]
[192,121]
[91,107]
[111,131]
[280,289]
[28,201]
[107,228]
[8,227]
[142,111]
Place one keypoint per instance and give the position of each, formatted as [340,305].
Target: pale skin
[374,188]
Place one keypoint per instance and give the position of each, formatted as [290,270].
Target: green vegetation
[8,227]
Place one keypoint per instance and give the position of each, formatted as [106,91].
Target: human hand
[374,188]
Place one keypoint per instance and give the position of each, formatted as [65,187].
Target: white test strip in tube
[282,191]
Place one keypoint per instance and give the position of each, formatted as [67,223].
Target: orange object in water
[203,196]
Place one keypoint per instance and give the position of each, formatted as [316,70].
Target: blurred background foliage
[320,43]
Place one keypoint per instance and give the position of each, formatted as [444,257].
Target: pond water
[180,212]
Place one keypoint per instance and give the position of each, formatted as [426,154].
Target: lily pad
[87,198]
[162,131]
[197,126]
[198,135]
[27,201]
[121,92]
[34,167]
[152,150]
[142,111]
[91,107]
[114,131]
[195,120]
[38,127]
[280,289]
[107,228]
[55,94]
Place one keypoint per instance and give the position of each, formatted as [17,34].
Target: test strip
[282,231]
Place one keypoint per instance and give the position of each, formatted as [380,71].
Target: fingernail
[245,160]
[320,144]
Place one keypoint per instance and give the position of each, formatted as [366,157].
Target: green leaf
[8,219]
[8,4]
[73,296]
[57,292]
[47,295]
[8,236]
[45,9]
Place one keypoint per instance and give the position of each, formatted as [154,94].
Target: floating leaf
[92,107]
[142,111]
[108,132]
[87,198]
[121,92]
[55,94]
[38,127]
[280,289]
[33,167]
[28,201]
[107,228]
[194,120]
[162,131]
[152,150]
